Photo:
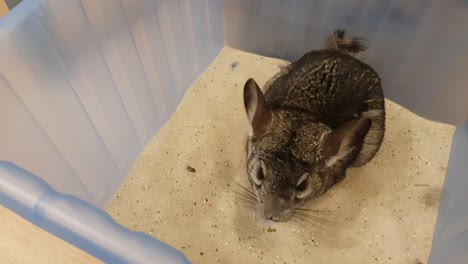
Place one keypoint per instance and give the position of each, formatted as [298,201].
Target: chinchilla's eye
[302,187]
[259,174]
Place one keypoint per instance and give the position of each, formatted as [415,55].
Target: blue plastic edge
[78,222]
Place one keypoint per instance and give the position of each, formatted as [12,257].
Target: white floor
[383,212]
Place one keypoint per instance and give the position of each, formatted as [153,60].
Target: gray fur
[317,117]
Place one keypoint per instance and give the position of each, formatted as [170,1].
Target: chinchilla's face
[289,160]
[281,175]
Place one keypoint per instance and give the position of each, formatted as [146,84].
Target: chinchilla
[314,119]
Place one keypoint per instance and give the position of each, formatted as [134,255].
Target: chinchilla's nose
[273,218]
[270,215]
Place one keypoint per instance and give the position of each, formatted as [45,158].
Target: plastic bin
[85,84]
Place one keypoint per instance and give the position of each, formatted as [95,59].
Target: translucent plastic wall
[85,84]
[450,241]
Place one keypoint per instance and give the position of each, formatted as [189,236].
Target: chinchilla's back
[331,86]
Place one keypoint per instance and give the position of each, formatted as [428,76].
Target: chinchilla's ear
[257,110]
[340,142]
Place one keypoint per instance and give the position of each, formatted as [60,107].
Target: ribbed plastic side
[85,84]
[78,222]
[450,242]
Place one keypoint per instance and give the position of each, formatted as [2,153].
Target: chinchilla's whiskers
[241,190]
[246,193]
[309,221]
[246,190]
[315,211]
[245,197]
[315,218]
[247,204]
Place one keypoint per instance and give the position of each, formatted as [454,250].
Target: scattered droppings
[234,65]
[191,169]
[270,230]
